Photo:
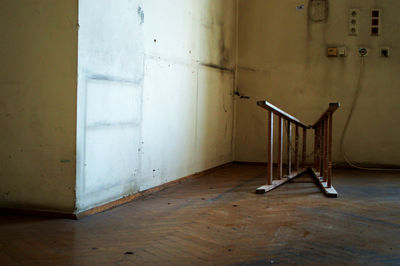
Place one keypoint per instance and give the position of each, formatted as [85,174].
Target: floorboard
[219,219]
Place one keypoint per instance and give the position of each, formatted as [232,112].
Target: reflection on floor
[218,219]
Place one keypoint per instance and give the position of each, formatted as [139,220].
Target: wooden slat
[325,147]
[296,148]
[329,172]
[280,148]
[316,148]
[288,149]
[268,106]
[277,183]
[321,147]
[270,147]
[304,150]
[330,192]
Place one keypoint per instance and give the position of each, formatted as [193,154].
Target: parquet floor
[217,219]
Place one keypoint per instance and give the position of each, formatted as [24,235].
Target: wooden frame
[322,169]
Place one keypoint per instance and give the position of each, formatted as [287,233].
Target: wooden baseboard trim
[250,163]
[40,213]
[339,165]
[342,165]
[149,191]
[107,206]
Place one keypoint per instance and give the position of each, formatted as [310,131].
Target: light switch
[376,15]
[342,51]
[332,52]
[384,51]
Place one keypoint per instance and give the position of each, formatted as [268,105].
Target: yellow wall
[38,51]
[282,58]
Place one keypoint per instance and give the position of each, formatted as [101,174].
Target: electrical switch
[342,51]
[384,52]
[376,15]
[332,52]
[339,51]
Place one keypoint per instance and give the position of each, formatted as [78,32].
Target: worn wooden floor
[218,219]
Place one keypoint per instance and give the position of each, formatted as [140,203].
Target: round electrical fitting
[362,51]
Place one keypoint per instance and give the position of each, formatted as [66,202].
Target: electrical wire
[348,120]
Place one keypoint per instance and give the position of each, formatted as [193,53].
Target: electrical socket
[354,15]
[363,51]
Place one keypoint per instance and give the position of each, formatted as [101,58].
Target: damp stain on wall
[224,51]
[140,13]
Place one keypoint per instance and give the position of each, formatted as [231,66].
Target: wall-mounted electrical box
[362,51]
[332,52]
[376,15]
[354,16]
[318,10]
[384,52]
[342,51]
[336,51]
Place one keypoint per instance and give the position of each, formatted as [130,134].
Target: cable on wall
[348,120]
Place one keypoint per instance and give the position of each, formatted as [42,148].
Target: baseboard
[40,213]
[344,165]
[336,165]
[110,205]
[250,163]
[149,191]
[119,202]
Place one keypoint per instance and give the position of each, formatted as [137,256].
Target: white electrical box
[342,51]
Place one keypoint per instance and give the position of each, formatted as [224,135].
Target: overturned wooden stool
[322,168]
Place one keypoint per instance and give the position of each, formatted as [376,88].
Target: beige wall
[182,120]
[38,51]
[282,58]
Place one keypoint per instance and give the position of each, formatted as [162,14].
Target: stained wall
[38,79]
[155,93]
[282,58]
